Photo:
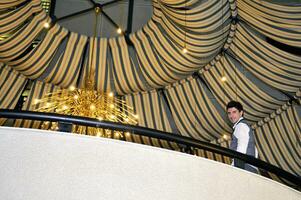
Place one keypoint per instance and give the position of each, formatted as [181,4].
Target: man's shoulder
[242,124]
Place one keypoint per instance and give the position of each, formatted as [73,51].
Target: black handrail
[85,121]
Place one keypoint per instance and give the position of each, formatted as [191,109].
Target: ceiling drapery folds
[171,91]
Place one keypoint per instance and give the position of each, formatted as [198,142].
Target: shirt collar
[237,122]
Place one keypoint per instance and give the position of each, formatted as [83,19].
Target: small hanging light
[46,25]
[119,31]
[224,79]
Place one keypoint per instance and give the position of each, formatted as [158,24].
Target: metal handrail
[85,121]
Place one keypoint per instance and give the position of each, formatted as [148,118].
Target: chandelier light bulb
[36,101]
[92,107]
[72,88]
[224,79]
[184,50]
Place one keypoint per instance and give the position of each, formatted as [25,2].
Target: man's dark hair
[235,104]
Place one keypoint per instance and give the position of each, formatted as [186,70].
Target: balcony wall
[37,165]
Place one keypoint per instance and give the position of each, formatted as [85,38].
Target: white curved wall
[36,164]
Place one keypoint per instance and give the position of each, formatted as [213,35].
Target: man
[243,137]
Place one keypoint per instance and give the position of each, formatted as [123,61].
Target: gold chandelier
[87,103]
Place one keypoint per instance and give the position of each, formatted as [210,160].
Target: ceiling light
[119,31]
[46,25]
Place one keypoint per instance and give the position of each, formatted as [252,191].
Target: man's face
[234,114]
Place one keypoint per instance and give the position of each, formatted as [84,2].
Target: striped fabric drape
[194,113]
[150,108]
[148,62]
[5,4]
[12,19]
[17,43]
[237,86]
[100,65]
[66,71]
[279,141]
[279,22]
[275,67]
[125,73]
[34,64]
[97,65]
[12,84]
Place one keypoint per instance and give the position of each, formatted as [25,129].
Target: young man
[243,137]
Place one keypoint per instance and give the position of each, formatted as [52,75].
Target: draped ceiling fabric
[171,91]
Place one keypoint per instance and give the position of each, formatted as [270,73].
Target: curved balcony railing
[84,121]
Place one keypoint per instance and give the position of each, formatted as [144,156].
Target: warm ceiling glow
[119,31]
[224,79]
[46,25]
[71,88]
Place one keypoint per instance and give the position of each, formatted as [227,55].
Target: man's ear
[242,113]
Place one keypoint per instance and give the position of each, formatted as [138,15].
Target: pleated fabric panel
[126,75]
[200,27]
[11,20]
[152,114]
[37,91]
[96,64]
[203,29]
[66,71]
[17,43]
[149,63]
[194,114]
[257,104]
[5,4]
[169,52]
[100,64]
[11,86]
[35,62]
[273,66]
[279,22]
[278,141]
